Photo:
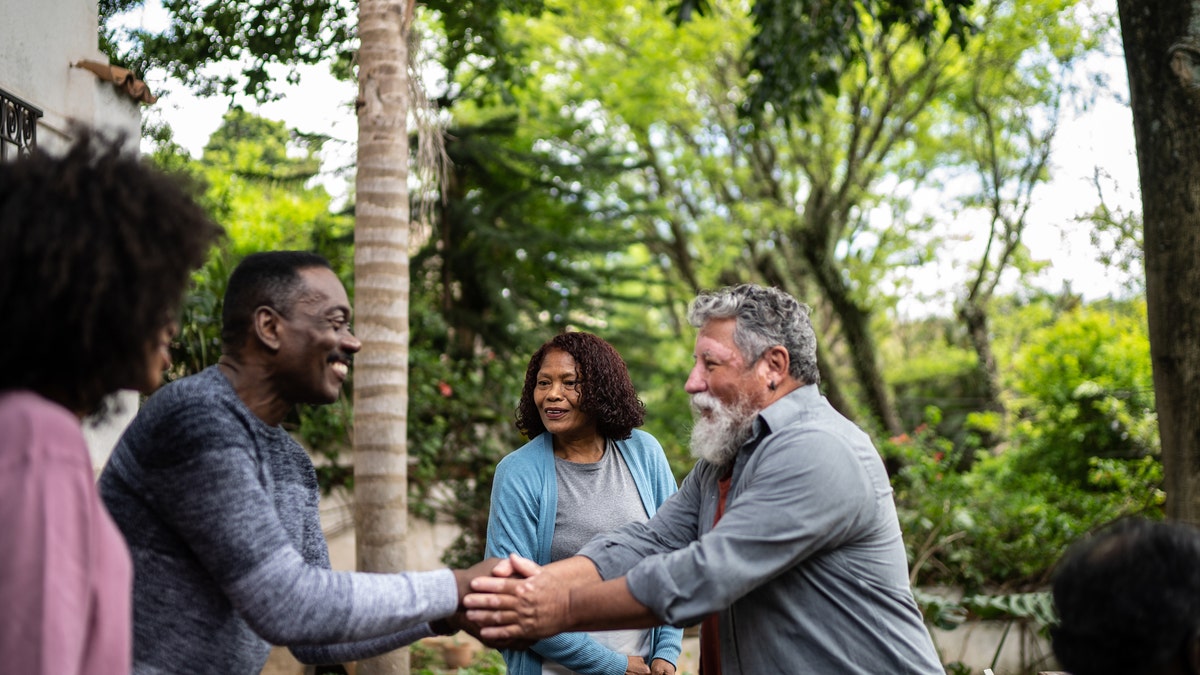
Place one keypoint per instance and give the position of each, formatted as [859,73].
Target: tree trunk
[861,345]
[381,294]
[770,269]
[1162,56]
[975,317]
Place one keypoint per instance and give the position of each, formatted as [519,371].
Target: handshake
[511,603]
[508,603]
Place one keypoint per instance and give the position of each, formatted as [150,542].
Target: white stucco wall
[40,41]
[102,438]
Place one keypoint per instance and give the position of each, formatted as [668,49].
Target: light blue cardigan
[524,504]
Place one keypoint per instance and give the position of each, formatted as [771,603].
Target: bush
[1085,389]
[998,527]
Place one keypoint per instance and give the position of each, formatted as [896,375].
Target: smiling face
[315,342]
[724,391]
[556,394]
[720,369]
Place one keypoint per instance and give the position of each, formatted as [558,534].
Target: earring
[771,385]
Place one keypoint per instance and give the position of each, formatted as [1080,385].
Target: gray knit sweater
[220,513]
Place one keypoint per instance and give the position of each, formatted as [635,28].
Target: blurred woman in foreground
[96,251]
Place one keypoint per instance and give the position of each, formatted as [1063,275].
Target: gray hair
[765,317]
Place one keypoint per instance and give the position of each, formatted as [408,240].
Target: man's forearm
[607,605]
[574,571]
[595,604]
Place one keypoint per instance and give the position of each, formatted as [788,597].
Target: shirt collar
[785,410]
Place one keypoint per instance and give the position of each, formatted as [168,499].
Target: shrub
[998,526]
[1085,390]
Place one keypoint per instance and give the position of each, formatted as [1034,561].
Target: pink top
[65,572]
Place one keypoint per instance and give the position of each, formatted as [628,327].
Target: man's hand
[637,666]
[450,624]
[459,621]
[662,667]
[504,568]
[528,608]
[463,577]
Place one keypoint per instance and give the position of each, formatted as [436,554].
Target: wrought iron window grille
[18,126]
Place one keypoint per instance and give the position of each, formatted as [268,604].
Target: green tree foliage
[1116,232]
[256,34]
[1000,526]
[825,207]
[266,40]
[930,365]
[1007,130]
[800,48]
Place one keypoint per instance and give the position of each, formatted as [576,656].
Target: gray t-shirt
[595,497]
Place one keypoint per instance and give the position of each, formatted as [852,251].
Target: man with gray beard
[783,540]
[720,429]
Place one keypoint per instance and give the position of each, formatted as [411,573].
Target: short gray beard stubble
[717,437]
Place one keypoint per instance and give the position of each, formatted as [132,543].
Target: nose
[164,343]
[695,381]
[350,343]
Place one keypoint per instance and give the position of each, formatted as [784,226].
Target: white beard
[717,436]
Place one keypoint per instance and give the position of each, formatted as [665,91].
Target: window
[18,126]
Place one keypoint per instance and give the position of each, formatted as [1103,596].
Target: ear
[267,325]
[773,366]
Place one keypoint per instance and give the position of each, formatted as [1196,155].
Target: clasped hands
[518,602]
[514,604]
[510,603]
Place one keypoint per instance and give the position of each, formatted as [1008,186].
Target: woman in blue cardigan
[586,470]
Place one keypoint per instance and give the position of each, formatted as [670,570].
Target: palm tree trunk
[381,296]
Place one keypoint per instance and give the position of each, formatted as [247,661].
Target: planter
[457,655]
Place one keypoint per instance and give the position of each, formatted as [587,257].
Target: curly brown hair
[96,250]
[605,390]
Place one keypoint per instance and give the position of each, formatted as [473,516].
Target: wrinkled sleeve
[316,553]
[807,494]
[667,640]
[207,488]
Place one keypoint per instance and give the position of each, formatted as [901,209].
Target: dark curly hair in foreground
[96,251]
[605,390]
[1128,601]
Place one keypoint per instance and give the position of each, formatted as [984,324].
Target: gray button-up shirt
[806,569]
